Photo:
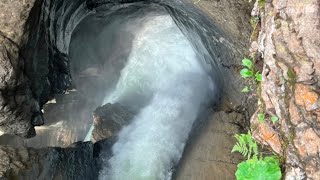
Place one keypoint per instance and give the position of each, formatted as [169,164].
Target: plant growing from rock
[274,119]
[248,71]
[256,166]
[261,117]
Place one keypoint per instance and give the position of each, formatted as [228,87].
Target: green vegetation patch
[256,167]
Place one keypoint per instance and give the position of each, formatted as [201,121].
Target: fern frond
[246,145]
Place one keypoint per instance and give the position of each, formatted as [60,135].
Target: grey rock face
[17,105]
[33,66]
[19,110]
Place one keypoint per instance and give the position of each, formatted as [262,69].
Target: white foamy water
[162,71]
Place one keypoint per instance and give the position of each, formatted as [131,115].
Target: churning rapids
[164,73]
[165,77]
[159,59]
[164,65]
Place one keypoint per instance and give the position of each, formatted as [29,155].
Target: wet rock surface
[108,121]
[67,120]
[208,155]
[289,43]
[78,161]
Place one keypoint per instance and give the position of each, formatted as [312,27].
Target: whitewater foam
[165,75]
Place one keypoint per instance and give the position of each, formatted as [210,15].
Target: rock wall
[79,161]
[33,59]
[289,43]
[19,110]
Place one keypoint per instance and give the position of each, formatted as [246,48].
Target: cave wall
[34,38]
[17,103]
[289,43]
[42,43]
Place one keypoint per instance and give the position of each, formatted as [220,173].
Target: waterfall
[165,78]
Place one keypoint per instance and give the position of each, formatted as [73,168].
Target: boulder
[108,121]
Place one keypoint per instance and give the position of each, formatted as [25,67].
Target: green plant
[274,119]
[254,20]
[246,145]
[247,63]
[245,73]
[248,70]
[245,89]
[261,117]
[259,169]
[258,76]
[261,3]
[255,167]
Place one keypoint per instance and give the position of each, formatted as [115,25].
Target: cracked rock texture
[289,42]
[18,108]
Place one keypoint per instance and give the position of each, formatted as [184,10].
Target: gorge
[160,60]
[150,89]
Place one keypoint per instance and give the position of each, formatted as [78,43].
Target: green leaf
[245,73]
[247,63]
[261,117]
[274,119]
[258,76]
[264,169]
[245,89]
[246,145]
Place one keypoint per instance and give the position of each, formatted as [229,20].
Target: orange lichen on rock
[294,113]
[305,97]
[265,134]
[307,143]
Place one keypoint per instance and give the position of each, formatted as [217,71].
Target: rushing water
[163,66]
[158,58]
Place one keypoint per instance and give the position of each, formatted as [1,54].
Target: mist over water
[165,78]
